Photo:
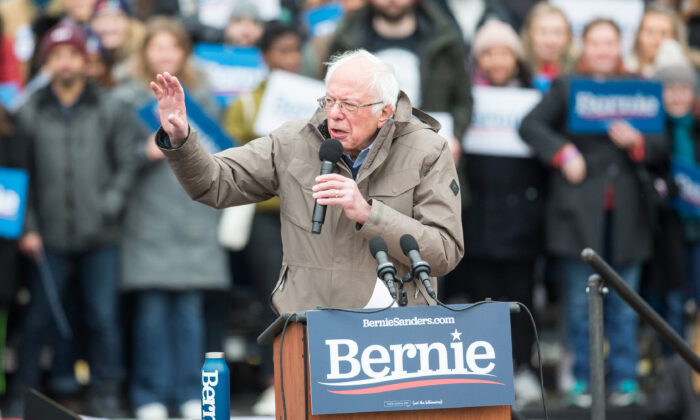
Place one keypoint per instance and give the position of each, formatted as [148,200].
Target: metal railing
[597,288]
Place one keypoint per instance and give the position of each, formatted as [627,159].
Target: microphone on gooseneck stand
[330,153]
[385,268]
[419,268]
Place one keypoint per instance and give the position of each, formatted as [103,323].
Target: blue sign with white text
[230,70]
[687,178]
[322,20]
[594,105]
[410,358]
[13,200]
[209,132]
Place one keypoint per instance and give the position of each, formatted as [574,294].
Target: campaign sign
[410,358]
[287,97]
[594,105]
[209,132]
[217,13]
[494,127]
[322,20]
[687,178]
[230,70]
[13,200]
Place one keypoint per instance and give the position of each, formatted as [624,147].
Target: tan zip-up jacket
[408,177]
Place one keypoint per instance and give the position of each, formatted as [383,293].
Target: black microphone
[385,268]
[419,268]
[330,153]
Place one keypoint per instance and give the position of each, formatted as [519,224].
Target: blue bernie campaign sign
[687,178]
[8,94]
[410,358]
[13,200]
[230,70]
[594,105]
[209,132]
[322,20]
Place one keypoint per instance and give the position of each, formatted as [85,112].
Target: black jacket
[10,157]
[575,215]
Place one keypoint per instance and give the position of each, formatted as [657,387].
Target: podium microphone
[419,268]
[385,268]
[330,153]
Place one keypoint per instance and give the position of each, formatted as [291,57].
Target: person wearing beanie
[81,146]
[119,33]
[675,267]
[244,27]
[498,57]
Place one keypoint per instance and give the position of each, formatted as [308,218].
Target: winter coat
[444,80]
[169,241]
[408,177]
[575,214]
[82,165]
[10,157]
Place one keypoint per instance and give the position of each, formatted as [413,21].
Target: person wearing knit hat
[498,56]
[244,27]
[65,33]
[119,33]
[671,65]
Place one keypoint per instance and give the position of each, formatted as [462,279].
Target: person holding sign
[168,294]
[396,176]
[595,200]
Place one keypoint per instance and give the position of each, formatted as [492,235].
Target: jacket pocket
[396,190]
[297,203]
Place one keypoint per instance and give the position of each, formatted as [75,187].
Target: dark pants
[264,255]
[168,347]
[97,270]
[507,281]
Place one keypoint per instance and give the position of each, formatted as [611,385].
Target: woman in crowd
[498,58]
[658,23]
[547,43]
[120,35]
[595,200]
[170,248]
[502,220]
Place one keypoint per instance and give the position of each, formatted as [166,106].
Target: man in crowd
[81,151]
[418,39]
[396,177]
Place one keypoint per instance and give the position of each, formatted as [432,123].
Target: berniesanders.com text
[406,322]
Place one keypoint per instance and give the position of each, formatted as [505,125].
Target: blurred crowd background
[119,283]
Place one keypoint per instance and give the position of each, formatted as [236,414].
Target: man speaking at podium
[395,176]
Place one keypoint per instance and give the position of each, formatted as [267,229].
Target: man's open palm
[171,105]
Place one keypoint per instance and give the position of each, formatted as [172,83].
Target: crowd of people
[106,216]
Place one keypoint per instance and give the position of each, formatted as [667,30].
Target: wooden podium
[294,368]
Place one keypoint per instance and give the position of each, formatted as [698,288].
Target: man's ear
[386,113]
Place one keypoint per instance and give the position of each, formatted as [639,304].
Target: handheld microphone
[330,153]
[385,268]
[419,268]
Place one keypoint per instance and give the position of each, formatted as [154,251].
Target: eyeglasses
[325,102]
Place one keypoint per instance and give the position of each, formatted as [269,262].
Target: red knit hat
[65,32]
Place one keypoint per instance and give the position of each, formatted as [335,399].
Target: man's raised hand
[171,105]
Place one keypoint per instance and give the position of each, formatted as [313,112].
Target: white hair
[382,80]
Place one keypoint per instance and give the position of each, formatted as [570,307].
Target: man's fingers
[177,88]
[157,90]
[177,121]
[330,177]
[328,185]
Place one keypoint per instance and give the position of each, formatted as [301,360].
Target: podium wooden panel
[297,392]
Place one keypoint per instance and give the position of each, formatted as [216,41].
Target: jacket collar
[47,97]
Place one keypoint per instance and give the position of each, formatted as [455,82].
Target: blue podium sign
[410,358]
[13,200]
[594,105]
[209,132]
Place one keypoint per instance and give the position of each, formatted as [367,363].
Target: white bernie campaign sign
[287,97]
[626,13]
[497,115]
[216,13]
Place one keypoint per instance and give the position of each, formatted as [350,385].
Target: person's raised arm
[171,106]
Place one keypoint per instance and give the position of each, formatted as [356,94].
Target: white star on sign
[456,335]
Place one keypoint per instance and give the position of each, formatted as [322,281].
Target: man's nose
[335,111]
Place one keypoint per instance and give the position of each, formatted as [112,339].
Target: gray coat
[170,242]
[81,163]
